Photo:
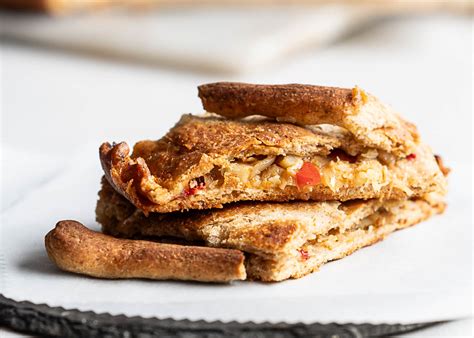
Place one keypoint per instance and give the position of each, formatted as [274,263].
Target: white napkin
[22,171]
[219,39]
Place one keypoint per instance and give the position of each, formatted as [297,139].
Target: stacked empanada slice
[289,176]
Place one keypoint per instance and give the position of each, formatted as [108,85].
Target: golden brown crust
[156,175]
[124,173]
[273,235]
[313,254]
[445,170]
[308,104]
[73,247]
[265,229]
[372,123]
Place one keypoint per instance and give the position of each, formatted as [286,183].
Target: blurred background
[77,73]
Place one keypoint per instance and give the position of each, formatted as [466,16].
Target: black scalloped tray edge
[41,319]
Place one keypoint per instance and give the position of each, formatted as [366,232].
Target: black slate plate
[41,319]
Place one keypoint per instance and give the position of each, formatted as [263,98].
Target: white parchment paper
[422,273]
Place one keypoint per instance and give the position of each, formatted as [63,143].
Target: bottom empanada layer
[281,240]
[338,244]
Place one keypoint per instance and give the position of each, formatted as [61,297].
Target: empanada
[206,162]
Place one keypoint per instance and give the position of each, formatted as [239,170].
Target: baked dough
[73,247]
[349,169]
[281,240]
[372,123]
[207,161]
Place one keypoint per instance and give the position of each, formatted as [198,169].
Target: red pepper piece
[192,191]
[412,156]
[308,175]
[304,254]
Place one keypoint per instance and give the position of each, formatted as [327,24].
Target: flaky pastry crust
[159,175]
[281,240]
[372,123]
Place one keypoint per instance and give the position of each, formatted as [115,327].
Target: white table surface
[60,104]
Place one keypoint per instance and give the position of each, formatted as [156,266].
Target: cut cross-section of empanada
[208,161]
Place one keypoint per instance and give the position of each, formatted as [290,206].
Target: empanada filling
[264,172]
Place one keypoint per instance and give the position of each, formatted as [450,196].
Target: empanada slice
[280,240]
[208,161]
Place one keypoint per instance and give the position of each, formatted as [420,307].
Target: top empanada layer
[372,123]
[205,162]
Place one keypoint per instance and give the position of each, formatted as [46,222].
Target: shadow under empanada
[37,261]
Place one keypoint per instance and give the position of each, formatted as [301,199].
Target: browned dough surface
[73,247]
